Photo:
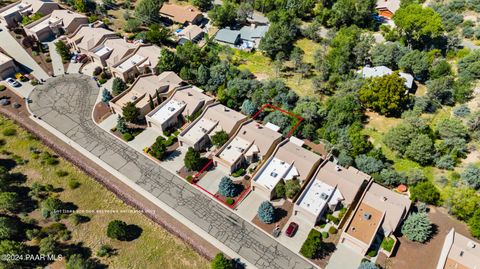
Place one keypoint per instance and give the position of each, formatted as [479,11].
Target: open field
[153,249]
[261,67]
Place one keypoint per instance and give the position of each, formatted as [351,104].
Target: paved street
[66,103]
[11,46]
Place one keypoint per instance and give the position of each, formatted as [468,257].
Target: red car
[292,228]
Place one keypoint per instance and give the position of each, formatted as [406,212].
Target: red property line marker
[246,191]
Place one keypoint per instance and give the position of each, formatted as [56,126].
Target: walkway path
[63,106]
[13,48]
[57,63]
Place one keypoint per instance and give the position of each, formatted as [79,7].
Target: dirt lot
[413,255]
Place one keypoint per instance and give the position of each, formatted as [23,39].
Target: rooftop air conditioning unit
[273,174]
[367,216]
[324,196]
[134,98]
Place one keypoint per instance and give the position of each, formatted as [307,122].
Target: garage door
[353,245]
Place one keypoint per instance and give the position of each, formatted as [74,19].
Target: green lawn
[155,248]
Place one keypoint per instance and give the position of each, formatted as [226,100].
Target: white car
[13,82]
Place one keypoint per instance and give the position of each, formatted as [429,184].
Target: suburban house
[181,14]
[252,142]
[289,161]
[13,13]
[142,61]
[333,187]
[380,71]
[379,213]
[182,104]
[190,33]
[87,37]
[247,37]
[459,252]
[228,37]
[58,22]
[7,66]
[144,87]
[386,8]
[216,117]
[111,51]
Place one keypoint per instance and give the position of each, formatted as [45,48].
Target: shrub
[230,201]
[73,184]
[97,71]
[117,229]
[127,137]
[238,173]
[266,212]
[190,179]
[102,81]
[158,149]
[387,244]
[9,132]
[219,138]
[425,192]
[372,253]
[325,235]
[292,187]
[280,189]
[332,218]
[105,251]
[368,264]
[222,262]
[193,160]
[332,230]
[461,111]
[48,59]
[2,88]
[77,219]
[312,246]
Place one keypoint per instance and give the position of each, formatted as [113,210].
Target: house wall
[47,8]
[353,243]
[75,24]
[7,69]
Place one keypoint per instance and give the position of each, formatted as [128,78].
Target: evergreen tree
[266,212]
[417,227]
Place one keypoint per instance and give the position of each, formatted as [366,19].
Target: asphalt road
[66,102]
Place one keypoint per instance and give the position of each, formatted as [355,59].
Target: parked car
[21,77]
[13,82]
[82,58]
[292,228]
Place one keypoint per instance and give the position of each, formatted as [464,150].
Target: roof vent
[324,196]
[461,253]
[338,168]
[189,94]
[134,98]
[367,216]
[470,244]
[384,198]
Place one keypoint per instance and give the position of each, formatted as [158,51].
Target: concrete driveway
[174,161]
[344,258]
[248,207]
[24,90]
[14,49]
[295,243]
[57,62]
[212,178]
[144,139]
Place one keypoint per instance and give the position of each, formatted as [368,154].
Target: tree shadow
[326,250]
[280,213]
[133,232]
[9,164]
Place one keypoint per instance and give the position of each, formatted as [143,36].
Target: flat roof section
[4,58]
[317,196]
[168,110]
[274,171]
[200,129]
[235,149]
[102,51]
[131,62]
[464,253]
[365,223]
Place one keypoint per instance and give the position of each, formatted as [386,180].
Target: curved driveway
[65,103]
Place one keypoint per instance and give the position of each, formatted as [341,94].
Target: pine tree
[266,212]
[150,102]
[417,227]
[121,125]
